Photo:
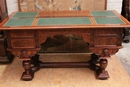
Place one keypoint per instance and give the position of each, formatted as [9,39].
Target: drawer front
[108,36]
[107,31]
[106,40]
[22,33]
[23,43]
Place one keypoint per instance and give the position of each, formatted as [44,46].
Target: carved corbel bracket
[105,53]
[24,54]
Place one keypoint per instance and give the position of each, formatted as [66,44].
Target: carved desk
[26,31]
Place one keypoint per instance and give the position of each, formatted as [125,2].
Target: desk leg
[96,63]
[101,72]
[36,63]
[99,65]
[28,74]
[126,36]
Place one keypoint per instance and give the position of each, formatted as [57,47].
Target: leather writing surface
[64,21]
[108,20]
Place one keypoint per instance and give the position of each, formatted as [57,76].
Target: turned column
[102,73]
[28,74]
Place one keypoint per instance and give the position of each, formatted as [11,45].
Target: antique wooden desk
[26,31]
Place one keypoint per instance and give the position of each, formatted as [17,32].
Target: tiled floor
[124,56]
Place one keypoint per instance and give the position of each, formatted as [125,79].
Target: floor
[124,56]
[64,77]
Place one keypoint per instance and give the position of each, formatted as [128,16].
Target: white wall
[114,5]
[12,6]
[111,5]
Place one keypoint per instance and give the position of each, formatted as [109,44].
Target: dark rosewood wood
[28,74]
[103,40]
[126,13]
[102,73]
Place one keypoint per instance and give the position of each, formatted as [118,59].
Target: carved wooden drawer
[23,43]
[106,40]
[107,31]
[22,33]
[107,36]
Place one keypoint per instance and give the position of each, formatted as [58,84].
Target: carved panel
[106,41]
[108,36]
[87,38]
[22,43]
[22,33]
[77,31]
[106,31]
[85,33]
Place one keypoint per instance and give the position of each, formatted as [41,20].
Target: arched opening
[68,43]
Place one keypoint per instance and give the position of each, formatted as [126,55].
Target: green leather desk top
[25,14]
[100,17]
[64,21]
[108,20]
[102,13]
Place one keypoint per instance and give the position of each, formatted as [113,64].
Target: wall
[111,5]
[114,5]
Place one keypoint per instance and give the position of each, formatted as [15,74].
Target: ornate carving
[106,41]
[105,52]
[22,43]
[28,74]
[87,37]
[43,34]
[24,54]
[16,53]
[29,52]
[100,51]
[22,33]
[102,73]
[106,31]
[108,36]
